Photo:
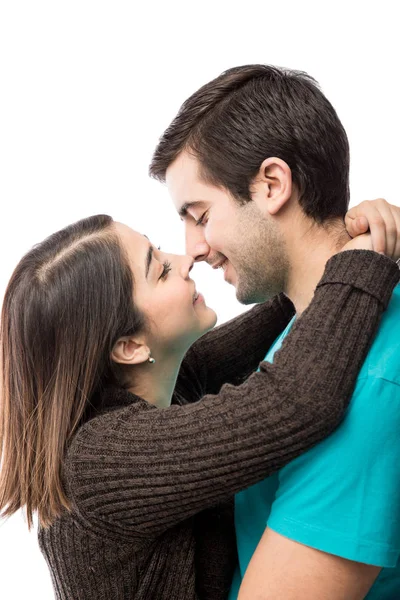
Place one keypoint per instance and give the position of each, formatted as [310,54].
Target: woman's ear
[130,351]
[274,183]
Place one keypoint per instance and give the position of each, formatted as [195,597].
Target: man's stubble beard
[261,260]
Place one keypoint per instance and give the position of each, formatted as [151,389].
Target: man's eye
[166,270]
[202,219]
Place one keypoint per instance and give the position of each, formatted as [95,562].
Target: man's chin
[250,295]
[244,296]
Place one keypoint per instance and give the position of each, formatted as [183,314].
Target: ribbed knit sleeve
[230,352]
[139,470]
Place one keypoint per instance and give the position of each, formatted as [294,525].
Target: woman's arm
[231,352]
[140,470]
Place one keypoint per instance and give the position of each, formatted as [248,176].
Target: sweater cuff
[366,270]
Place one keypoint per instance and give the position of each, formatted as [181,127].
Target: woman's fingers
[383,223]
[396,215]
[356,226]
[384,229]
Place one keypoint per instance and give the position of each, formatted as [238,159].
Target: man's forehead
[186,188]
[182,171]
[182,179]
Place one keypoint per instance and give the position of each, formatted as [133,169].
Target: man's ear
[274,182]
[130,351]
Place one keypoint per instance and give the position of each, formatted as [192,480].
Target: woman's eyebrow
[149,256]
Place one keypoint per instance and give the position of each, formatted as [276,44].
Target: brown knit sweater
[152,488]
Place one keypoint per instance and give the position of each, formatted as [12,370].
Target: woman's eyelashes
[166,269]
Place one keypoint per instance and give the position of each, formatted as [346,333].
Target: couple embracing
[168,460]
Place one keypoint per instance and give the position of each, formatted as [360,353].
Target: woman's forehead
[136,244]
[132,237]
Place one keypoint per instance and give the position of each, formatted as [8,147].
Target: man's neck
[309,248]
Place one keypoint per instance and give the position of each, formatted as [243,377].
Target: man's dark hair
[249,113]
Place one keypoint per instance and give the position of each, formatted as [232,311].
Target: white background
[86,89]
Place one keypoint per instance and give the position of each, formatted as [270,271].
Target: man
[257,163]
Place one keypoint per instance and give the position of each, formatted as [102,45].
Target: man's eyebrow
[183,211]
[149,256]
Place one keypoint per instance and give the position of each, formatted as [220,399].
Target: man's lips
[221,263]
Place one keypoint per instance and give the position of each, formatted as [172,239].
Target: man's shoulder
[383,360]
[374,409]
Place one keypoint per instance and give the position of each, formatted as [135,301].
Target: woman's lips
[199,298]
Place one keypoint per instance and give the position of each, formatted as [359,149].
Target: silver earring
[151,359]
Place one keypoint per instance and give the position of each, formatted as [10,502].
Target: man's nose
[196,245]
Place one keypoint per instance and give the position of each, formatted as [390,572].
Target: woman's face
[165,294]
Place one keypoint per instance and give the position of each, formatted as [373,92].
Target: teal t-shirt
[343,495]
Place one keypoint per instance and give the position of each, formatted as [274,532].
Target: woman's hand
[361,242]
[382,222]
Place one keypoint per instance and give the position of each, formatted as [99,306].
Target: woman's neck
[156,382]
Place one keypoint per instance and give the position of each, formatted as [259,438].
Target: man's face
[238,238]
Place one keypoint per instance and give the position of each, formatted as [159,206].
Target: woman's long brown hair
[68,301]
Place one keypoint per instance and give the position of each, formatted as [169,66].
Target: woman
[101,433]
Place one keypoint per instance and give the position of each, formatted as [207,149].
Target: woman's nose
[187,266]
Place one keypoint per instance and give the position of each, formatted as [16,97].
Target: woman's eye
[166,270]
[202,219]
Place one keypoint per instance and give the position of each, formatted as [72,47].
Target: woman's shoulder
[113,409]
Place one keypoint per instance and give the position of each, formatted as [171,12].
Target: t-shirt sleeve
[343,496]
